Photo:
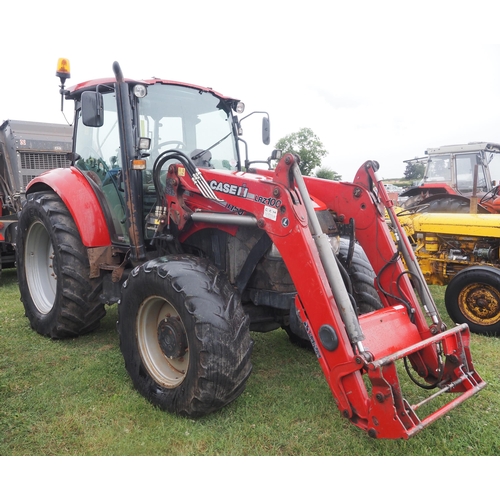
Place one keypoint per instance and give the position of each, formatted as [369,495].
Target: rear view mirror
[266,131]
[92,109]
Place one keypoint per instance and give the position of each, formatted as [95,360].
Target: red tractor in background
[457,179]
[159,213]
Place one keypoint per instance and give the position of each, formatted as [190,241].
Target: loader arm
[357,355]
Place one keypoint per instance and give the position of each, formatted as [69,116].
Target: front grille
[33,164]
[43,161]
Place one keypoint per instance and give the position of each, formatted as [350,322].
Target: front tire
[59,298]
[473,297]
[184,335]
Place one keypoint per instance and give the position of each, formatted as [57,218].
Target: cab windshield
[194,122]
[438,169]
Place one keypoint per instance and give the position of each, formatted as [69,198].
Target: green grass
[74,397]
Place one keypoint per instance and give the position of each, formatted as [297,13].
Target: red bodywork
[273,199]
[92,84]
[75,191]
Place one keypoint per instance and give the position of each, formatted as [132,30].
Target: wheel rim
[162,341]
[40,273]
[480,303]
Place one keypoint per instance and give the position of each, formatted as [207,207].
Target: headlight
[140,91]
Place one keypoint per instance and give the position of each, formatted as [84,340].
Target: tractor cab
[169,120]
[456,166]
[456,174]
[167,117]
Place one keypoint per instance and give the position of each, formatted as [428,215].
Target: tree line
[309,148]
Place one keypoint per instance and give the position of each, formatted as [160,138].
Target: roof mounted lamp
[63,72]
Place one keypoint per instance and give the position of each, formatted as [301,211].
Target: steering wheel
[490,194]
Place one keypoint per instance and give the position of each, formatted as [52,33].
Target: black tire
[473,297]
[184,335]
[360,278]
[444,203]
[59,298]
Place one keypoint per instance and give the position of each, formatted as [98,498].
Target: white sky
[372,79]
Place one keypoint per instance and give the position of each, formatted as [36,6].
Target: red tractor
[457,179]
[160,214]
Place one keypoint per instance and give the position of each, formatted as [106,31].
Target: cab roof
[463,148]
[76,90]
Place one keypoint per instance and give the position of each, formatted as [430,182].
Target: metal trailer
[27,149]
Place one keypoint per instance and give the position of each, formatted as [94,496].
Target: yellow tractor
[460,250]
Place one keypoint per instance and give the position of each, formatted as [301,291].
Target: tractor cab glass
[438,169]
[166,117]
[99,157]
[465,164]
[197,123]
[457,170]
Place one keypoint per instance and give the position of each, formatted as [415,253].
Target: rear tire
[59,298]
[473,297]
[443,203]
[184,335]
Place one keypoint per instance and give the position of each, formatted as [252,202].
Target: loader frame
[347,347]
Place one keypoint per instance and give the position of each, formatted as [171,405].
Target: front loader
[199,246]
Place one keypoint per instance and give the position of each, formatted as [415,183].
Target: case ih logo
[224,187]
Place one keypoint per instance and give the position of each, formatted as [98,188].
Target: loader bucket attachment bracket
[390,414]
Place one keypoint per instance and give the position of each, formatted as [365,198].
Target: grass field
[75,398]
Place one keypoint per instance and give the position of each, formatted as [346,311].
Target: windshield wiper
[203,151]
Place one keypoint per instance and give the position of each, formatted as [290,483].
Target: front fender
[77,194]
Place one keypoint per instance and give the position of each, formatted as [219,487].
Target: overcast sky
[374,80]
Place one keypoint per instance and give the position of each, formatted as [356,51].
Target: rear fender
[429,190]
[77,194]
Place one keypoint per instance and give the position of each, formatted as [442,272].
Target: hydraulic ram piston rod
[344,304]
[409,257]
